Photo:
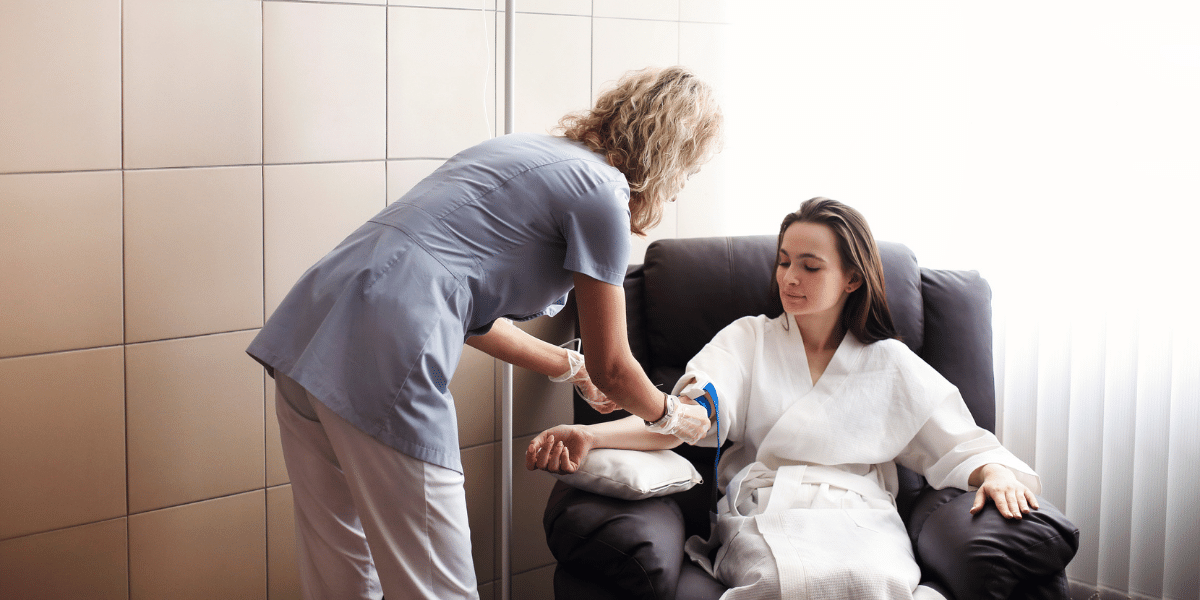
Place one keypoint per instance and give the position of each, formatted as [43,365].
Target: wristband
[672,403]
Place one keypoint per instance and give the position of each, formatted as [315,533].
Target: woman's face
[809,272]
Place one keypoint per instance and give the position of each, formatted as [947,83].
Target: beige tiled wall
[167,170]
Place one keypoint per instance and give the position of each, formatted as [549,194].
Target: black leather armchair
[687,291]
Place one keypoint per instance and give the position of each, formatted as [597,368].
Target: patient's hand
[559,449]
[1012,497]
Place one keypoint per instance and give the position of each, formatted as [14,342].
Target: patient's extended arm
[561,449]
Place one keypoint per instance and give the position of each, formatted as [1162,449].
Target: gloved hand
[688,422]
[577,374]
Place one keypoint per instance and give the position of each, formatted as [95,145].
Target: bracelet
[669,411]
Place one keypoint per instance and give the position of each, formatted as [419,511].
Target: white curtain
[1055,147]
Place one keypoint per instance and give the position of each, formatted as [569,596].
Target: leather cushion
[985,556]
[697,286]
[634,546]
[958,335]
[902,278]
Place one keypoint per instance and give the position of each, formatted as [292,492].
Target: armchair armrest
[633,547]
[986,556]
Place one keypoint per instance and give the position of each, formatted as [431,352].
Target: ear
[854,283]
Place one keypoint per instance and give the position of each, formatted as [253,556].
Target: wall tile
[622,45]
[212,549]
[538,583]
[441,81]
[195,420]
[89,561]
[60,239]
[487,591]
[479,470]
[324,91]
[61,99]
[637,9]
[283,577]
[701,210]
[308,210]
[62,440]
[708,11]
[553,74]
[276,468]
[474,389]
[192,83]
[193,252]
[704,48]
[402,175]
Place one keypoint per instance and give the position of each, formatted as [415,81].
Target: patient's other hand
[559,449]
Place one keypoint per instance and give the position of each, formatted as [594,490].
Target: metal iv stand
[506,376]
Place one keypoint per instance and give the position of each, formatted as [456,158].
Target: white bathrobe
[810,480]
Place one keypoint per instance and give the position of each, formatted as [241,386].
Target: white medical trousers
[370,520]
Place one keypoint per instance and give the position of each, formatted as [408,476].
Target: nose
[791,277]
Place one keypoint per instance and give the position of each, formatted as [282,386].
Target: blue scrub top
[375,329]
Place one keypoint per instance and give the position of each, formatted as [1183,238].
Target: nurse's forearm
[510,344]
[609,361]
[628,386]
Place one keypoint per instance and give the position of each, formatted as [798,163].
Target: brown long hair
[866,313]
[657,126]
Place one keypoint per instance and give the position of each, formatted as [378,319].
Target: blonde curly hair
[657,126]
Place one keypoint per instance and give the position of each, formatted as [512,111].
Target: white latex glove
[578,375]
[689,423]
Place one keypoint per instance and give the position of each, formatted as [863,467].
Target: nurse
[363,346]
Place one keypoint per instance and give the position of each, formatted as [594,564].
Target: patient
[820,404]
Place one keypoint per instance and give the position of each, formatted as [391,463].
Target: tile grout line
[123,170]
[126,344]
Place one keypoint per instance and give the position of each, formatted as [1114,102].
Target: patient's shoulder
[742,331]
[756,324]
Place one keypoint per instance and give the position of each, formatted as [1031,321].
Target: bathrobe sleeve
[726,363]
[949,446]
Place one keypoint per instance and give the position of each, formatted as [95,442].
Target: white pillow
[633,474]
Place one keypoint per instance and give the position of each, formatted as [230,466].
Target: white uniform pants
[370,520]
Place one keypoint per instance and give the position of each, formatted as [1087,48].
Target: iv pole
[506,377]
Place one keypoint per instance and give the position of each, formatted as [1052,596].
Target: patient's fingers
[542,453]
[531,453]
[980,500]
[552,454]
[568,466]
